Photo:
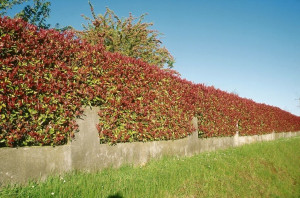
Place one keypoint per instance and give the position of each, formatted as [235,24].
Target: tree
[62,29]
[127,37]
[8,4]
[235,92]
[36,14]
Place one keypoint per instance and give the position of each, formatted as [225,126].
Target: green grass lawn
[269,169]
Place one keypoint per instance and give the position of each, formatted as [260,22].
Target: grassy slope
[269,169]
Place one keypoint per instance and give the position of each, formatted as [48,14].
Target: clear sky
[248,47]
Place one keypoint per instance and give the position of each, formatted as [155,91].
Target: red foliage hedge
[47,76]
[222,114]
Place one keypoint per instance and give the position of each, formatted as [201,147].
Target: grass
[269,169]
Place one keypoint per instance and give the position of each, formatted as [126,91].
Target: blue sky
[249,47]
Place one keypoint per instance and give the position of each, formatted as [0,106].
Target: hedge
[46,77]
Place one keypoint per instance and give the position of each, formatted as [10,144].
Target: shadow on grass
[117,195]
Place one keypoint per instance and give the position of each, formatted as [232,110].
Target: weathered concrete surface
[240,140]
[17,165]
[85,147]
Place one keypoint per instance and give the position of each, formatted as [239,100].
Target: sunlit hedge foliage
[46,77]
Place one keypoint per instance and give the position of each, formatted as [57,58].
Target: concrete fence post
[195,125]
[236,139]
[192,143]
[85,146]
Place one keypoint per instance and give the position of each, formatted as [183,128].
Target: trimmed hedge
[222,114]
[40,79]
[47,76]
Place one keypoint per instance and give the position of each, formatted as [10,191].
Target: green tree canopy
[35,14]
[127,37]
[8,4]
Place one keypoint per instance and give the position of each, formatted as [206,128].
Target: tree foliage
[127,37]
[8,4]
[36,14]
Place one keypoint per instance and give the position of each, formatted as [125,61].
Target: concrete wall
[17,165]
